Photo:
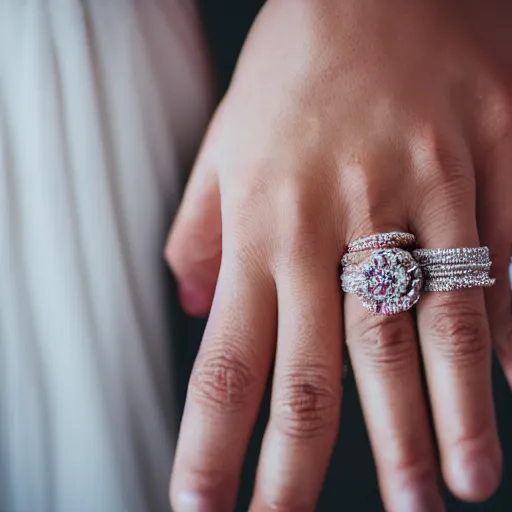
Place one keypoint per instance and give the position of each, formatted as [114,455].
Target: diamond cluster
[388,281]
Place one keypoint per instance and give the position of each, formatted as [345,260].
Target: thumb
[194,246]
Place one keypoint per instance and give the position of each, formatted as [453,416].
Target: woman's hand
[347,118]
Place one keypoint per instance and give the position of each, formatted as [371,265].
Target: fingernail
[477,477]
[192,502]
[482,474]
[420,499]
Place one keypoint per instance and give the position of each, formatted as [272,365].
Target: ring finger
[384,357]
[456,348]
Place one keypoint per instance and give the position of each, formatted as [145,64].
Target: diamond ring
[391,280]
[383,241]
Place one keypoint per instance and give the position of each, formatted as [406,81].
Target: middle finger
[384,357]
[306,391]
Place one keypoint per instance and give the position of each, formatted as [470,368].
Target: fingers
[225,390]
[194,247]
[495,221]
[456,348]
[384,358]
[306,391]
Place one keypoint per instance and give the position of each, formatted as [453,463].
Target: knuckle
[366,194]
[442,170]
[436,158]
[304,226]
[480,436]
[208,480]
[246,203]
[251,186]
[409,461]
[448,192]
[387,342]
[412,466]
[301,217]
[459,331]
[221,379]
[287,213]
[308,404]
[305,217]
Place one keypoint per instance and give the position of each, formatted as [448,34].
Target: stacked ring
[389,279]
[383,241]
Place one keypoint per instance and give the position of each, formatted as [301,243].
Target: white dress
[102,105]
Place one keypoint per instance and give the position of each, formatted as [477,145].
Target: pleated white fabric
[102,104]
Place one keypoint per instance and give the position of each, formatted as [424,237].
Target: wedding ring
[446,270]
[387,281]
[391,280]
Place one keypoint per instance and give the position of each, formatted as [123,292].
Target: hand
[347,118]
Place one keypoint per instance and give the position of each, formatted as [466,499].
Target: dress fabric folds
[102,106]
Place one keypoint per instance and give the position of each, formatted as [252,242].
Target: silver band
[445,270]
[391,280]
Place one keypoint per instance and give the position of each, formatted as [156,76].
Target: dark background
[351,482]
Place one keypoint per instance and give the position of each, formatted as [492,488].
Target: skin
[347,118]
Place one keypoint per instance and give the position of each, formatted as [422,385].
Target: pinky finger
[499,307]
[495,221]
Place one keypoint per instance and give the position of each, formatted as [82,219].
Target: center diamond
[392,281]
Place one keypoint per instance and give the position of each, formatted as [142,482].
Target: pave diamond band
[390,280]
[454,269]
[383,241]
